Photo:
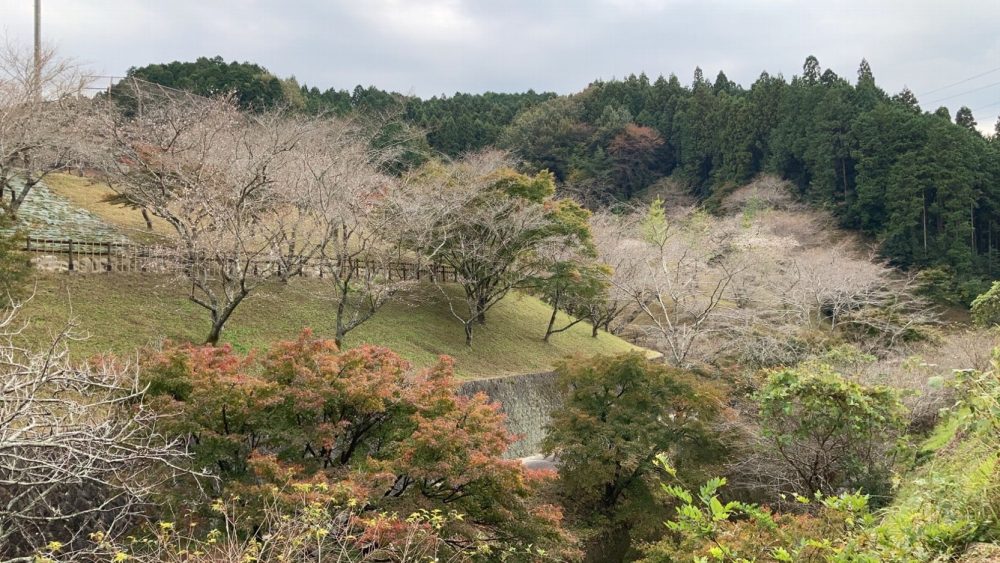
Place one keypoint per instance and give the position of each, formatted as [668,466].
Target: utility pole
[38,49]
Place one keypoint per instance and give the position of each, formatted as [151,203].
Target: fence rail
[108,256]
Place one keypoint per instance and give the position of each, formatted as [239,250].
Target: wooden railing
[108,256]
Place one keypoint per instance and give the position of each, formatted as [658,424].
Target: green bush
[986,307]
[706,528]
[620,412]
[831,434]
[14,266]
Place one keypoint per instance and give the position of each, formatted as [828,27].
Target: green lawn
[121,312]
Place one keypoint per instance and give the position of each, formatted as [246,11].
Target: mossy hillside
[950,499]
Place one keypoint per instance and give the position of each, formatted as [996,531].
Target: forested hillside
[255,373]
[927,189]
[924,186]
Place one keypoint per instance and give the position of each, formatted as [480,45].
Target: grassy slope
[947,493]
[93,196]
[123,311]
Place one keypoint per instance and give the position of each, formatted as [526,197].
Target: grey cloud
[432,47]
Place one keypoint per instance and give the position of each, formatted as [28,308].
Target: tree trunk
[552,322]
[341,305]
[843,173]
[149,222]
[972,223]
[215,333]
[219,320]
[925,225]
[18,197]
[468,333]
[481,310]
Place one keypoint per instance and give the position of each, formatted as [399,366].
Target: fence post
[109,256]
[71,255]
[27,244]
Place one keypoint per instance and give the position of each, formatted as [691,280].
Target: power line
[997,103]
[963,81]
[963,93]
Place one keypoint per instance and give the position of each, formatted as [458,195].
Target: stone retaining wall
[527,400]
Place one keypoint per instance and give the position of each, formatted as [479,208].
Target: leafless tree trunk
[354,204]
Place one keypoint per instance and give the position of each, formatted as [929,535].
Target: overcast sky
[428,47]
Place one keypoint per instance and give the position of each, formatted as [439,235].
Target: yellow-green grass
[98,198]
[956,483]
[122,312]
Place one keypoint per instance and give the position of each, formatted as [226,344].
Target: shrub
[986,307]
[360,425]
[294,526]
[827,434]
[707,529]
[619,413]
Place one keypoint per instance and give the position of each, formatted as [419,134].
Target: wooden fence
[96,256]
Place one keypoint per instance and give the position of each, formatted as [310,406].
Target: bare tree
[236,188]
[834,286]
[473,216]
[38,134]
[616,245]
[353,202]
[800,282]
[685,273]
[78,448]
